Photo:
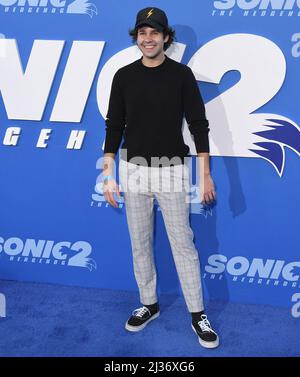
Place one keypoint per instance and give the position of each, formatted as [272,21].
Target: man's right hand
[109,187]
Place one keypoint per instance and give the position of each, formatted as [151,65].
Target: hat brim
[150,23]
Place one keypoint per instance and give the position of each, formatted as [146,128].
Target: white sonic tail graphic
[89,263]
[82,7]
[80,259]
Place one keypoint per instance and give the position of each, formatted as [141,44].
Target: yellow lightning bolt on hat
[150,13]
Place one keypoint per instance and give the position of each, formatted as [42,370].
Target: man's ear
[166,38]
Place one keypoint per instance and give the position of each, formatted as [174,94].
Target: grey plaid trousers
[170,186]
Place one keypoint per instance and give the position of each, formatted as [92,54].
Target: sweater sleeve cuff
[112,142]
[202,143]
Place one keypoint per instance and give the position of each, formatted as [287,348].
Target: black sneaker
[208,338]
[140,318]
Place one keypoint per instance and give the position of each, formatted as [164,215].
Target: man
[148,100]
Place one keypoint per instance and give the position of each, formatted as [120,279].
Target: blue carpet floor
[52,320]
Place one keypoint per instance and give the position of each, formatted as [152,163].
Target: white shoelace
[141,311]
[204,324]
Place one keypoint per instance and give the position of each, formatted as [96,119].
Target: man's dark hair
[169,31]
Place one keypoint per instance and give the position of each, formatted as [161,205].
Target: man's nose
[148,38]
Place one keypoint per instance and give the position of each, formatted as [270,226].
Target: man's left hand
[207,190]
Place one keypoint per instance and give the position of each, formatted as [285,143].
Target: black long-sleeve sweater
[147,106]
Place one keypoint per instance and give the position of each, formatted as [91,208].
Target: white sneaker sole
[141,327]
[205,344]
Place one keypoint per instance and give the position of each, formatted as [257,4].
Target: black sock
[153,308]
[196,316]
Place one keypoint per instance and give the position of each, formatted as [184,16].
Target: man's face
[151,42]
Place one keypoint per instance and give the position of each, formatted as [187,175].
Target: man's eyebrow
[144,27]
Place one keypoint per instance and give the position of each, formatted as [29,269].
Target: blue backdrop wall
[57,59]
